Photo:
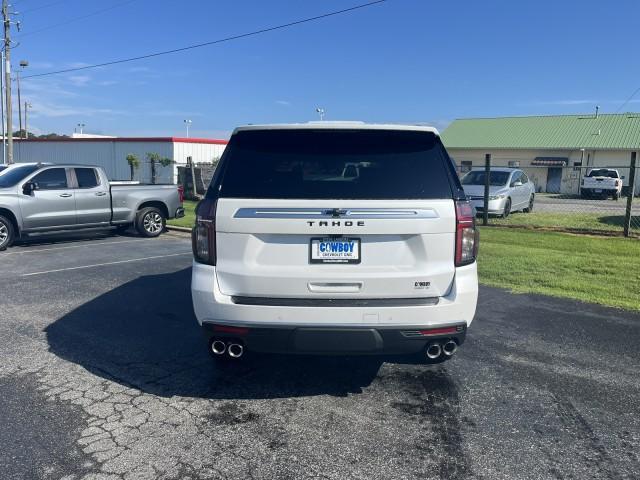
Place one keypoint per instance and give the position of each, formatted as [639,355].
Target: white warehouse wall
[111,154]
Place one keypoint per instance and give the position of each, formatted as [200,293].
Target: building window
[577,166]
[514,164]
[465,166]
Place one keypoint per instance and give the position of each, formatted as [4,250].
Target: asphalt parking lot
[104,375]
[555,203]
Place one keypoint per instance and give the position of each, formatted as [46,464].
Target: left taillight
[203,235]
[181,194]
[467,235]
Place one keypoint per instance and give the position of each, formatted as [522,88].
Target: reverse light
[203,235]
[467,235]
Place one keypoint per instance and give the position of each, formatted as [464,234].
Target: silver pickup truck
[43,198]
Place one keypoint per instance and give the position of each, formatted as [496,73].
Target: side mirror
[29,187]
[622,177]
[517,184]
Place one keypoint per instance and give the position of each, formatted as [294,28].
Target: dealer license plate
[334,250]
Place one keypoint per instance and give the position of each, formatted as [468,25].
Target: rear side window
[87,177]
[335,164]
[51,179]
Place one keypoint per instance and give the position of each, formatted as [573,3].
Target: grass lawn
[602,270]
[189,218]
[576,221]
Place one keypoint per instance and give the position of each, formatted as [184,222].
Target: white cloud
[284,103]
[138,69]
[79,80]
[107,83]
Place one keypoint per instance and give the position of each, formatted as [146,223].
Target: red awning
[551,161]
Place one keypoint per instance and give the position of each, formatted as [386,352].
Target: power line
[628,99]
[75,19]
[213,42]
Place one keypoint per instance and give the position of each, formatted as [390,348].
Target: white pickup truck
[604,182]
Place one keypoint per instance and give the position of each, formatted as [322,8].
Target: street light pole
[27,106]
[81,126]
[23,64]
[188,123]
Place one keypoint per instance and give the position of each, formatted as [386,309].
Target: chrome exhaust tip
[235,350]
[218,347]
[449,348]
[433,351]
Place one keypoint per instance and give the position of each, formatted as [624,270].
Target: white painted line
[87,243]
[105,264]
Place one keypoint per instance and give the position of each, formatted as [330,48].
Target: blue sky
[401,61]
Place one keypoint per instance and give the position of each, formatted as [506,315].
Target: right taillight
[203,235]
[467,235]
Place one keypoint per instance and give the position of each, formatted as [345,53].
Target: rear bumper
[332,341]
[599,191]
[293,328]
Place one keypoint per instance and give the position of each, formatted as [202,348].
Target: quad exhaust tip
[433,351]
[449,348]
[218,347]
[235,350]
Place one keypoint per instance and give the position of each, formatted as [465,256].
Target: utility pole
[4,138]
[7,78]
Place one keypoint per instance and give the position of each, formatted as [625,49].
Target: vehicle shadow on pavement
[143,334]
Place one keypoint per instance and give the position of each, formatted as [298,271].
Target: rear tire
[616,196]
[507,208]
[7,233]
[150,222]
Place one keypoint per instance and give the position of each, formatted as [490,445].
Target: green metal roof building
[546,146]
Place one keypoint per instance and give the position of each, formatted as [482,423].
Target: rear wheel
[616,196]
[529,208]
[150,222]
[7,233]
[507,208]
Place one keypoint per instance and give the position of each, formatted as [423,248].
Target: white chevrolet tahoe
[335,238]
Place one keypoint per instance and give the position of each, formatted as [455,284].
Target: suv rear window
[335,164]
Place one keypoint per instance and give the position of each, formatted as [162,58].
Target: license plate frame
[316,259]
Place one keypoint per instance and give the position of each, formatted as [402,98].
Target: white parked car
[335,238]
[510,190]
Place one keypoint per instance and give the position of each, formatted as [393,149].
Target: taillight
[181,194]
[203,235]
[467,236]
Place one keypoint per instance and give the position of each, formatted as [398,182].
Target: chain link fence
[200,176]
[578,199]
